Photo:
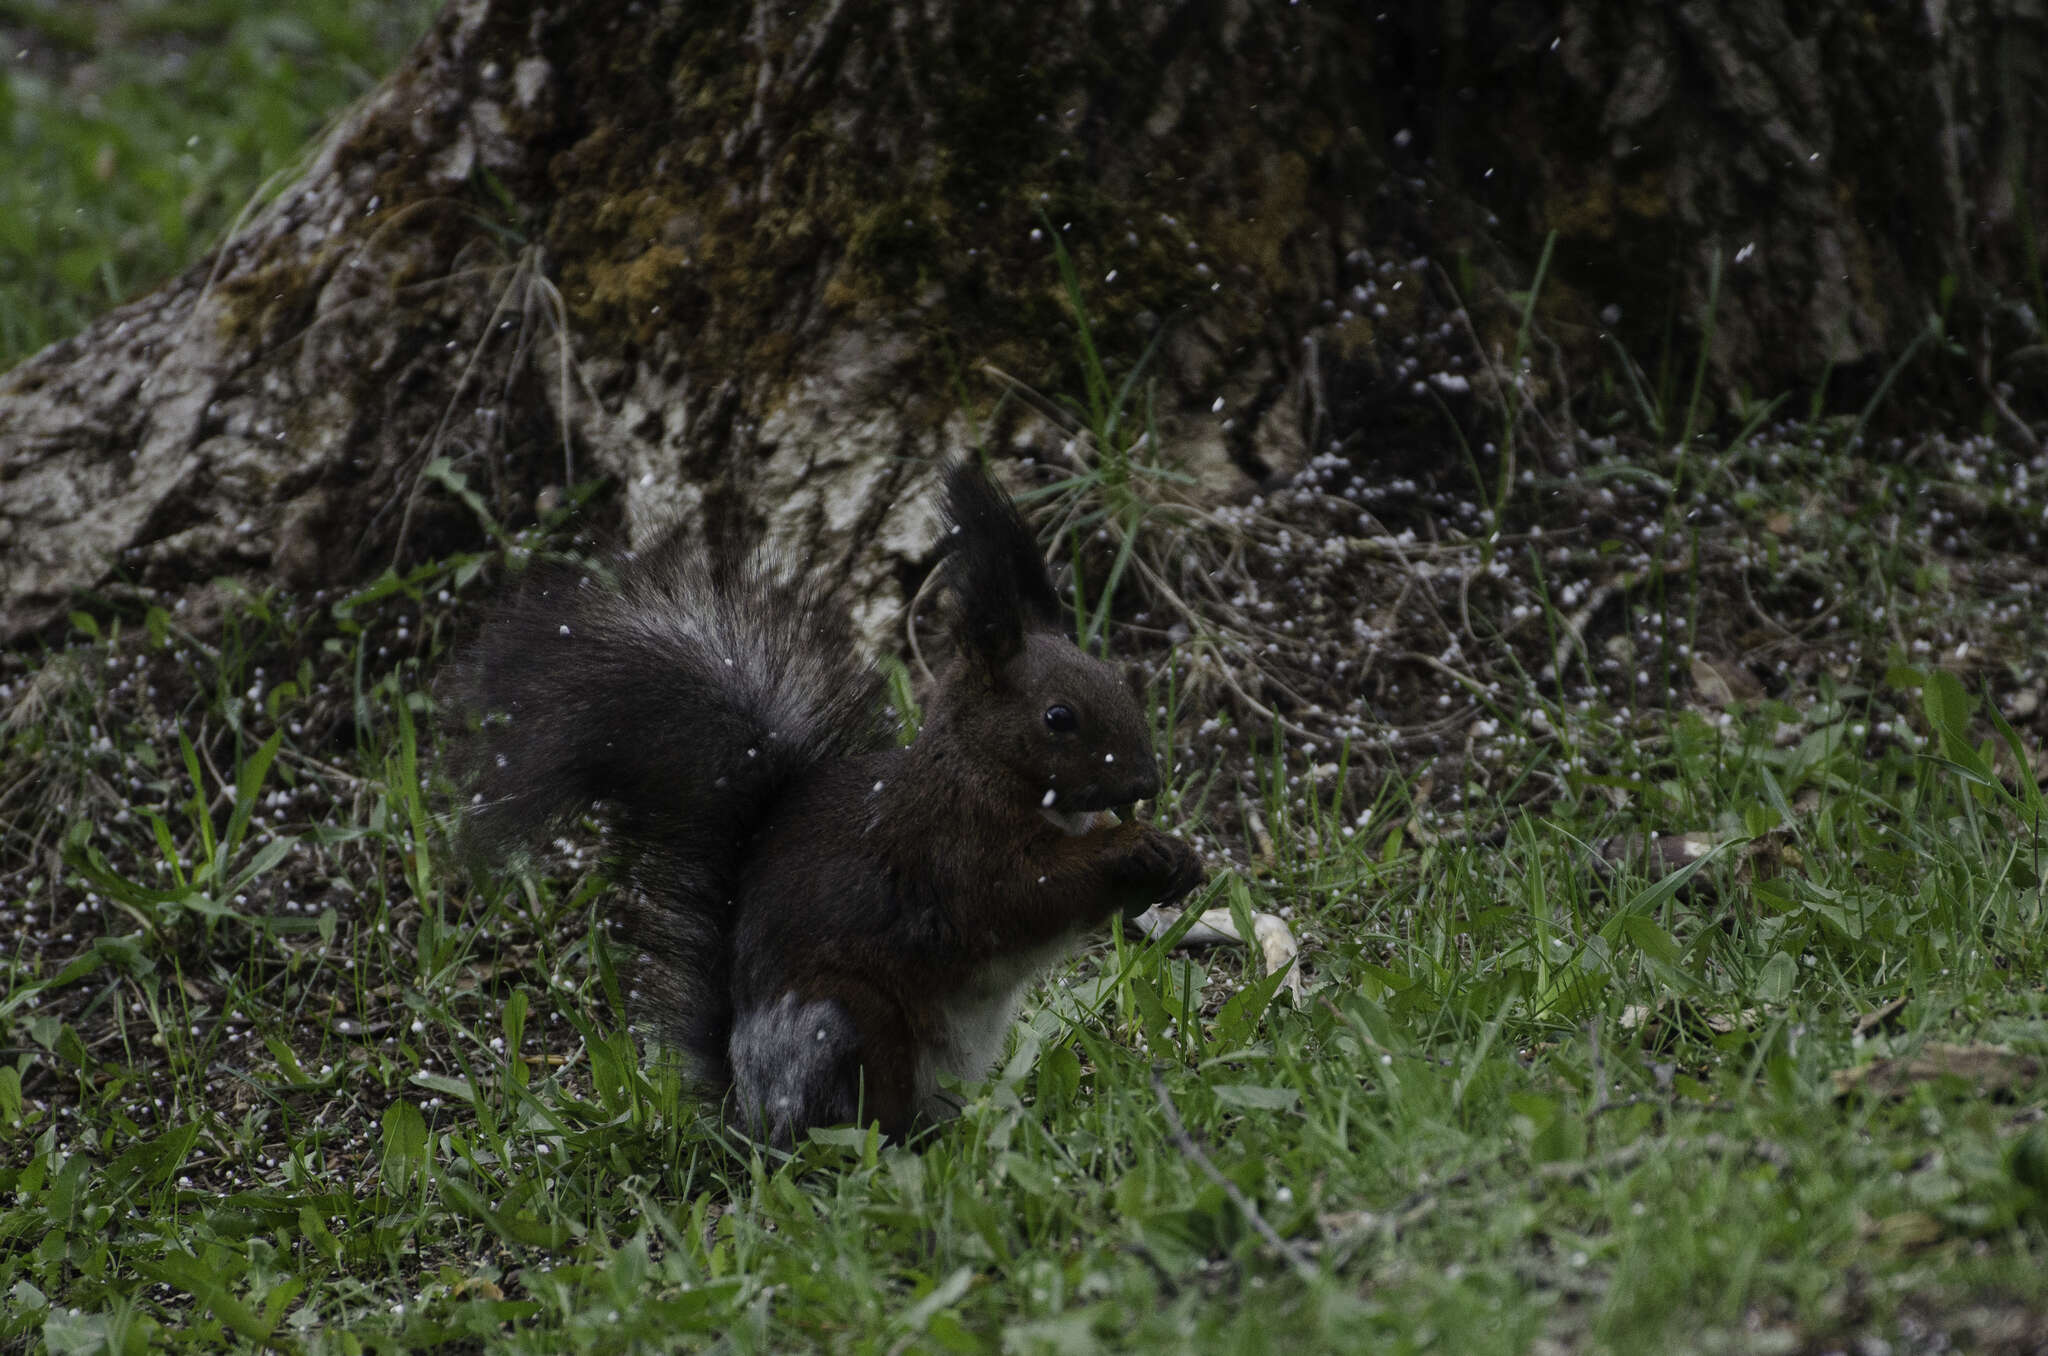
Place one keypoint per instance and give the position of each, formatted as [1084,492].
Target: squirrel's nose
[1144,782]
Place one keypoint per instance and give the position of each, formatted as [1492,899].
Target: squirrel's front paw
[1160,868]
[1188,871]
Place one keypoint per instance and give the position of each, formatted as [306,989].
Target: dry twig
[1185,1142]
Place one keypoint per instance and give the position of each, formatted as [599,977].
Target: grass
[135,133]
[277,1073]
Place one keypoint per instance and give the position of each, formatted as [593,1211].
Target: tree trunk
[745,260]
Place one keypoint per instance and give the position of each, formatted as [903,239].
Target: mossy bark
[748,259]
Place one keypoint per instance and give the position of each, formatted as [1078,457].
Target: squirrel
[822,920]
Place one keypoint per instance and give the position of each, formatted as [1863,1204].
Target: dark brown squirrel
[823,922]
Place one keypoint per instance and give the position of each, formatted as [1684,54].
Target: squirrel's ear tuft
[994,567]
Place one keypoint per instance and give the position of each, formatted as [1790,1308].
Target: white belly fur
[977,1020]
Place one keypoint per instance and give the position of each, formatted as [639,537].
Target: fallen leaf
[1669,1018]
[1908,1229]
[1349,1221]
[1880,1016]
[1275,939]
[1991,1070]
[1660,854]
[1722,683]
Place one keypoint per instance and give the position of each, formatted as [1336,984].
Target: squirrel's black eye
[1060,720]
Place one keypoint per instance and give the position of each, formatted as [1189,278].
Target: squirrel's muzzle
[1140,781]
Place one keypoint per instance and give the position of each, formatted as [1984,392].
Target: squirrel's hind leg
[801,1062]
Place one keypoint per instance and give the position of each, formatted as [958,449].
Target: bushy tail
[678,698]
